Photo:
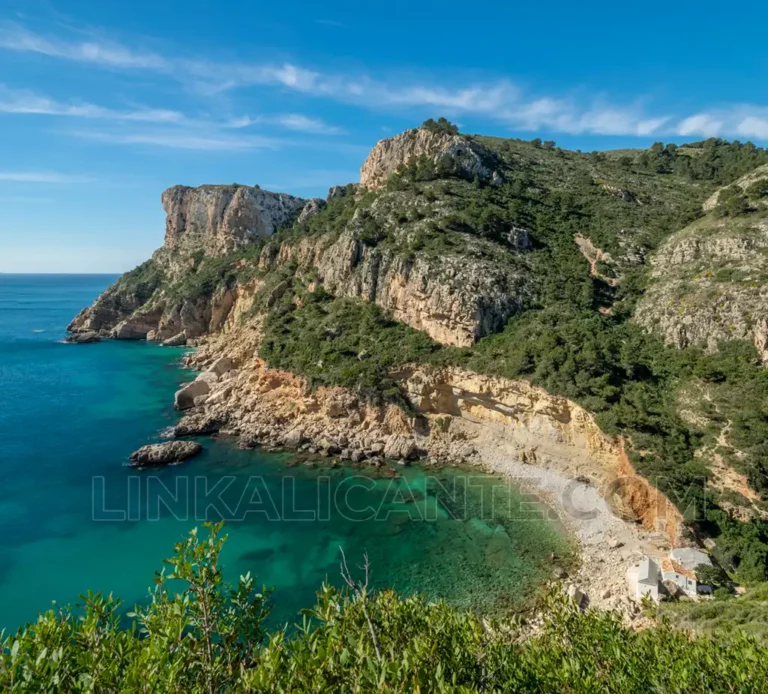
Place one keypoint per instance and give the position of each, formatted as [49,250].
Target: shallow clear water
[73,517]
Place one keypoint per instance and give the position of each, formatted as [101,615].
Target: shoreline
[543,444]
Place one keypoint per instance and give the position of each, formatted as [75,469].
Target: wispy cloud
[27,102]
[500,100]
[42,177]
[189,140]
[16,37]
[289,121]
[741,120]
[754,126]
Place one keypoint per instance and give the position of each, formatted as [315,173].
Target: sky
[103,105]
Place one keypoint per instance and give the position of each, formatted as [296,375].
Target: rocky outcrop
[201,424]
[221,219]
[309,210]
[455,300]
[120,301]
[760,173]
[450,153]
[186,396]
[82,338]
[709,285]
[165,453]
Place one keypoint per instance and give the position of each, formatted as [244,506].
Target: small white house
[645,577]
[681,569]
[690,557]
[677,573]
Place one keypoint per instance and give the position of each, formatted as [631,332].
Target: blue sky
[103,105]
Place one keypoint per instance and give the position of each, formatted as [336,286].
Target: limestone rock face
[165,453]
[137,327]
[454,300]
[197,425]
[448,151]
[708,285]
[220,219]
[309,210]
[115,304]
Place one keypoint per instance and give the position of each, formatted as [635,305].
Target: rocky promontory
[448,151]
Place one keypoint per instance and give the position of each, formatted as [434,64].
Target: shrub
[207,637]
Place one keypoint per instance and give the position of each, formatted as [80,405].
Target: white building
[681,569]
[644,578]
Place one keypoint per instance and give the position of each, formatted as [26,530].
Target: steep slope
[466,258]
[441,145]
[708,281]
[204,222]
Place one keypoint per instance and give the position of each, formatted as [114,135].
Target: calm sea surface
[73,517]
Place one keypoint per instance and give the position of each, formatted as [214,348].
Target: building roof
[690,557]
[669,566]
[648,571]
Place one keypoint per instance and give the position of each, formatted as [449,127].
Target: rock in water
[165,453]
[176,341]
[197,425]
[185,397]
[83,338]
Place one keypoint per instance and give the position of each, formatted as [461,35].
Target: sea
[74,517]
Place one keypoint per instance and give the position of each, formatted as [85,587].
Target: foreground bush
[209,638]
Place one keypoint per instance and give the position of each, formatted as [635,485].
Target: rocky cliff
[204,222]
[456,297]
[216,220]
[448,152]
[454,237]
[708,281]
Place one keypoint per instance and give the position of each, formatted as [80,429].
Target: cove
[74,518]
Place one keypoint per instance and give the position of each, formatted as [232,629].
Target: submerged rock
[165,453]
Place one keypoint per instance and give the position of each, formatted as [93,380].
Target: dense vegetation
[576,337]
[724,617]
[199,635]
[713,159]
[341,342]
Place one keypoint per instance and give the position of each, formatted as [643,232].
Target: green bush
[203,636]
[758,190]
[441,125]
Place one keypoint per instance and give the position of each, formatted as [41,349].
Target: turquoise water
[73,517]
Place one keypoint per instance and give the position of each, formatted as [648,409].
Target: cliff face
[455,301]
[221,219]
[708,281]
[455,297]
[449,152]
[201,222]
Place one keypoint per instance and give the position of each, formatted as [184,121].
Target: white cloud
[26,102]
[290,121]
[753,126]
[701,124]
[16,38]
[189,140]
[501,101]
[42,177]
